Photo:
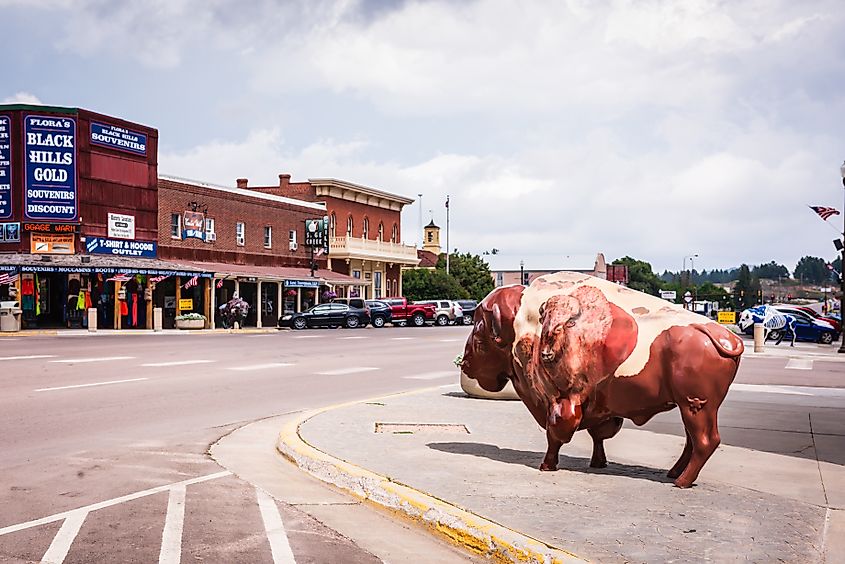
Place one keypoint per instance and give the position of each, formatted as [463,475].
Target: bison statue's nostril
[547,355]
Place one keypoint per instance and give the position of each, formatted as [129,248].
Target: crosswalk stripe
[98,359]
[64,538]
[799,364]
[27,357]
[171,536]
[261,366]
[177,363]
[279,545]
[350,370]
[109,503]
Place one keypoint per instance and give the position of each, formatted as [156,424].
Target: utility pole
[842,267]
[419,224]
[447,233]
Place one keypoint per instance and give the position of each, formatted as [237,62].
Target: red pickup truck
[404,312]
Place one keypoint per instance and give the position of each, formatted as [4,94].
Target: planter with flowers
[190,321]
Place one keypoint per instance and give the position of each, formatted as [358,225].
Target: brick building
[507,269]
[365,230]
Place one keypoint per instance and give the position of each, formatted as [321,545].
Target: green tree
[837,265]
[640,275]
[811,269]
[423,284]
[710,292]
[770,271]
[746,289]
[471,272]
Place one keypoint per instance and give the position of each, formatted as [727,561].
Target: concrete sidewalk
[467,468]
[124,332]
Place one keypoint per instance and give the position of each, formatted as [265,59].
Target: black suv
[469,310]
[380,313]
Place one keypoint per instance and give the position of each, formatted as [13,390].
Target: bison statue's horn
[497,324]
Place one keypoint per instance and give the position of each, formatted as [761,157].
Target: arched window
[332,225]
[394,236]
[349,226]
[366,233]
[380,231]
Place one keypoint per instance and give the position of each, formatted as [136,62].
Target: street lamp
[522,272]
[842,267]
[692,258]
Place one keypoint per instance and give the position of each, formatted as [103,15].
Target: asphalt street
[105,438]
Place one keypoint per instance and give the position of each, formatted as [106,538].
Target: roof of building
[541,262]
[427,259]
[245,192]
[431,224]
[361,189]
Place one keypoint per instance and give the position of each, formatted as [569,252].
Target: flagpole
[447,234]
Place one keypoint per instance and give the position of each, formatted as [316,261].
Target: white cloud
[21,98]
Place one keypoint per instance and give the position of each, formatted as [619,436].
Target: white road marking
[790,390]
[402,338]
[450,340]
[109,503]
[98,359]
[350,370]
[800,364]
[279,545]
[433,375]
[261,366]
[356,337]
[9,339]
[171,536]
[177,363]
[307,337]
[27,357]
[64,538]
[89,385]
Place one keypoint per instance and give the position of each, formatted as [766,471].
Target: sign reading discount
[118,138]
[5,167]
[50,161]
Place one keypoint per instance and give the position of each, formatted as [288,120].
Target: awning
[274,273]
[94,264]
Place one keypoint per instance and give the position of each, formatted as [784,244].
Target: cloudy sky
[645,128]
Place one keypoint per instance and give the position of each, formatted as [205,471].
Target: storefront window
[175,226]
[377,285]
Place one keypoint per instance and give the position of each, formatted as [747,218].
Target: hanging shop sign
[103,246]
[186,303]
[315,232]
[118,138]
[302,283]
[10,232]
[62,228]
[51,244]
[50,164]
[193,225]
[5,167]
[121,226]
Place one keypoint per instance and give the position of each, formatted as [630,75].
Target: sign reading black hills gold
[65,228]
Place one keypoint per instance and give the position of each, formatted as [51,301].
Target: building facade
[511,269]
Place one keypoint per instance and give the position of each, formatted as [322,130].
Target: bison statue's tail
[728,344]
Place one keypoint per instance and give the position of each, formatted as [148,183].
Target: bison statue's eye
[570,323]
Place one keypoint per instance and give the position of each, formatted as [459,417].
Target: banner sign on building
[65,228]
[104,246]
[118,138]
[121,226]
[193,225]
[50,162]
[10,232]
[302,283]
[5,167]
[315,233]
[52,244]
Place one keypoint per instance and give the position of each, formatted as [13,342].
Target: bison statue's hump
[620,319]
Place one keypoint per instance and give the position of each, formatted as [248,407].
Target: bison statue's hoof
[546,467]
[598,464]
[683,484]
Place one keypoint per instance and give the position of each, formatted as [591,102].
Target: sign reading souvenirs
[118,138]
[103,246]
[5,167]
[121,226]
[50,163]
[315,233]
[51,228]
[193,223]
[10,232]
[52,244]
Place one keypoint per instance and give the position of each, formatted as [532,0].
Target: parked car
[469,307]
[380,313]
[836,323]
[415,314]
[807,328]
[446,311]
[327,315]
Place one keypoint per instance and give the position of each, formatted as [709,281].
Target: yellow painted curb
[31,333]
[458,525]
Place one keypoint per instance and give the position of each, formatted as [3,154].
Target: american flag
[825,212]
[6,278]
[190,283]
[220,283]
[157,279]
[118,278]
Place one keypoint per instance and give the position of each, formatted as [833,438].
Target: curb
[457,525]
[134,332]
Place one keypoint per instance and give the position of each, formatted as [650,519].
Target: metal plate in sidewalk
[415,428]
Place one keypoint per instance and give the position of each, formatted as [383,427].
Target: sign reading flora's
[50,157]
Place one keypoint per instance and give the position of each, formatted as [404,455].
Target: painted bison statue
[585,353]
